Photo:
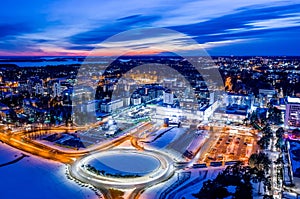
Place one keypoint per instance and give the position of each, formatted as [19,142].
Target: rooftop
[293,100]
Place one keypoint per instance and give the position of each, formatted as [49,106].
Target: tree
[279,132]
[263,142]
[267,182]
[260,164]
[236,175]
[253,117]
[279,160]
[212,190]
[274,115]
[243,191]
[267,131]
[246,120]
[280,143]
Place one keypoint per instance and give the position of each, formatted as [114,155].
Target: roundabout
[122,168]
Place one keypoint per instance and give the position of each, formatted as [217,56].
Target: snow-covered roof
[293,100]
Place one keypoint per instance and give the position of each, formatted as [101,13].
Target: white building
[211,98]
[111,106]
[168,97]
[207,112]
[169,82]
[126,101]
[267,92]
[136,99]
[39,89]
[35,86]
[56,89]
[92,106]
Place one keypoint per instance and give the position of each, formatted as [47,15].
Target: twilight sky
[221,27]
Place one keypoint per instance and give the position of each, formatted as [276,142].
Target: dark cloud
[282,43]
[129,17]
[42,40]
[12,30]
[18,19]
[216,29]
[80,47]
[10,39]
[243,35]
[99,34]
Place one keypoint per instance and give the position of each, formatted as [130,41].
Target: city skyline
[155,99]
[75,28]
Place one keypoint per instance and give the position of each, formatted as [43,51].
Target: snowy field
[295,157]
[36,178]
[186,188]
[166,138]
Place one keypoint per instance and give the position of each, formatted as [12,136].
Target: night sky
[221,27]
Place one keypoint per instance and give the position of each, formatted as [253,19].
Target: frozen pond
[125,164]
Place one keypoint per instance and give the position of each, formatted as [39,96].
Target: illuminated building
[292,115]
[136,99]
[168,97]
[108,107]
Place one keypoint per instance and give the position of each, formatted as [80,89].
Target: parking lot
[230,145]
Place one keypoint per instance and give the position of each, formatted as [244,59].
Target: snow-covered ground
[35,178]
[295,157]
[195,184]
[166,138]
[288,195]
[187,188]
